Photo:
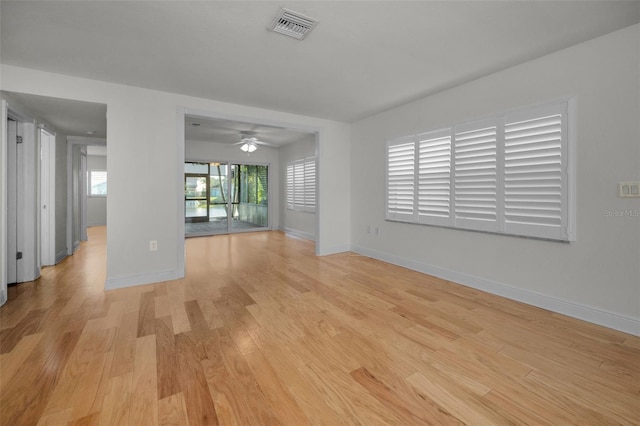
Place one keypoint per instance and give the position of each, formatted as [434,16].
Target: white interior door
[47,198]
[12,201]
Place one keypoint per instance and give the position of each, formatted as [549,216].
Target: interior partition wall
[222,197]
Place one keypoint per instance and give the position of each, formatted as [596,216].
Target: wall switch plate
[153,245]
[629,189]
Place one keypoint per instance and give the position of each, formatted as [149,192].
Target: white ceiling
[72,118]
[362,58]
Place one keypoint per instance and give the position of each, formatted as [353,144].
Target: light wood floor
[263,332]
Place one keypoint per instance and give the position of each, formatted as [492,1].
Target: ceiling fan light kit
[249,145]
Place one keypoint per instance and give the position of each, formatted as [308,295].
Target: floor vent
[293,24]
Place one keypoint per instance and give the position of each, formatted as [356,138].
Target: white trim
[572,167]
[82,192]
[141,279]
[586,313]
[30,204]
[298,233]
[61,255]
[319,194]
[3,204]
[180,206]
[327,251]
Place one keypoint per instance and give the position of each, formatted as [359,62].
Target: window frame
[89,181]
[564,230]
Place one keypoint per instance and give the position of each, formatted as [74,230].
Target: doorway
[223,197]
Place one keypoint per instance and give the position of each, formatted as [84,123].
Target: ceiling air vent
[293,24]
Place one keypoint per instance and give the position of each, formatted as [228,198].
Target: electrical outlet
[153,245]
[368,229]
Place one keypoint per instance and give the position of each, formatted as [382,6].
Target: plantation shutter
[475,175]
[400,179]
[298,185]
[310,184]
[535,176]
[290,186]
[434,177]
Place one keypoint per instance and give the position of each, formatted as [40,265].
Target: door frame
[3,202]
[73,141]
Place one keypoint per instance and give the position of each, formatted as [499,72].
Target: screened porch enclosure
[222,197]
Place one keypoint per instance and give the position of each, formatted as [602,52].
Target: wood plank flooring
[262,332]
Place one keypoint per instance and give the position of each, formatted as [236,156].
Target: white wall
[596,278]
[298,223]
[96,206]
[211,151]
[143,133]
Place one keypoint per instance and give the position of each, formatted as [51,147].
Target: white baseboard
[76,245]
[140,279]
[561,306]
[60,256]
[298,233]
[326,251]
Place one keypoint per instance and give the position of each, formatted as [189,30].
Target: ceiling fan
[249,142]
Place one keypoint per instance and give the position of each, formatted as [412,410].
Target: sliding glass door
[250,186]
[236,200]
[196,188]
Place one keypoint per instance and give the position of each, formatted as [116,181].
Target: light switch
[629,189]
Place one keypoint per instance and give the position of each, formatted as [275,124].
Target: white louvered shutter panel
[434,177]
[298,185]
[475,175]
[401,179]
[535,175]
[290,185]
[310,184]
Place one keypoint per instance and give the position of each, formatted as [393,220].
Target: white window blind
[301,185]
[434,177]
[310,184]
[290,184]
[505,174]
[475,178]
[97,183]
[535,177]
[298,185]
[401,179]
